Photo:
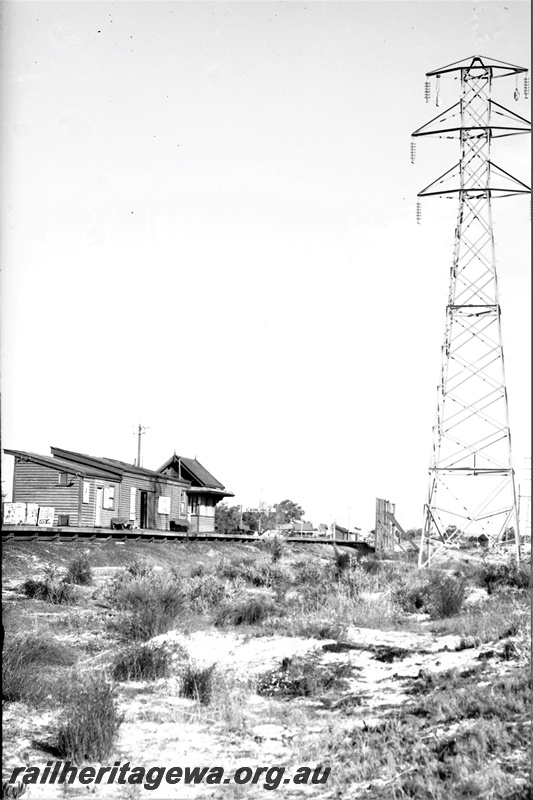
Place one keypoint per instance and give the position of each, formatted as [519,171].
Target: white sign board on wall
[163,505]
[14,513]
[32,513]
[46,516]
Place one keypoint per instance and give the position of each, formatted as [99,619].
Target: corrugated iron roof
[64,465]
[112,465]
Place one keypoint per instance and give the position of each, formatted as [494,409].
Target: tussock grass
[90,722]
[27,660]
[453,697]
[79,571]
[250,611]
[52,589]
[141,663]
[151,607]
[140,568]
[197,683]
[415,753]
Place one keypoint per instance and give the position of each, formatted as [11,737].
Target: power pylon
[471,478]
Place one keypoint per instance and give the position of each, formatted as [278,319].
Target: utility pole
[141,429]
[471,477]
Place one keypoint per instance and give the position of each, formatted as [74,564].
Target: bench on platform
[121,524]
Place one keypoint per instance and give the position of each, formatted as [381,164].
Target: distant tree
[288,511]
[411,533]
[260,520]
[227,518]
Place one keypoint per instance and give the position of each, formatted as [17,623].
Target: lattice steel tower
[471,478]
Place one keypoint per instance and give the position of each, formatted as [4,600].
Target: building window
[86,491]
[183,504]
[109,498]
[63,479]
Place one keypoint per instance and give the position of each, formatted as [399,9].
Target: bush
[300,678]
[197,683]
[342,561]
[205,591]
[445,595]
[79,571]
[90,726]
[493,576]
[152,606]
[141,663]
[439,594]
[256,573]
[140,568]
[52,589]
[313,572]
[273,544]
[251,611]
[25,660]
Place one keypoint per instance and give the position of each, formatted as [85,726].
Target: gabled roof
[64,465]
[199,476]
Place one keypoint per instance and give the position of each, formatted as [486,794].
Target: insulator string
[516,93]
[413,152]
[427,91]
[526,86]
[418,213]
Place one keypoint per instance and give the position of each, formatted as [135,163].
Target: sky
[209,228]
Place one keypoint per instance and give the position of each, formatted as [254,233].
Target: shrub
[152,606]
[313,573]
[445,595]
[25,660]
[203,592]
[140,568]
[273,544]
[79,571]
[141,663]
[52,589]
[197,683]
[256,573]
[493,576]
[342,562]
[298,677]
[91,722]
[250,611]
[439,594]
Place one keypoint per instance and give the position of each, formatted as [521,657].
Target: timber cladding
[148,500]
[34,483]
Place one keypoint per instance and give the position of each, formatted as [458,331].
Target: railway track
[62,535]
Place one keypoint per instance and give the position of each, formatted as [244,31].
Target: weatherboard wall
[35,483]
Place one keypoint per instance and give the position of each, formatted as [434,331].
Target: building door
[144,509]
[99,506]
